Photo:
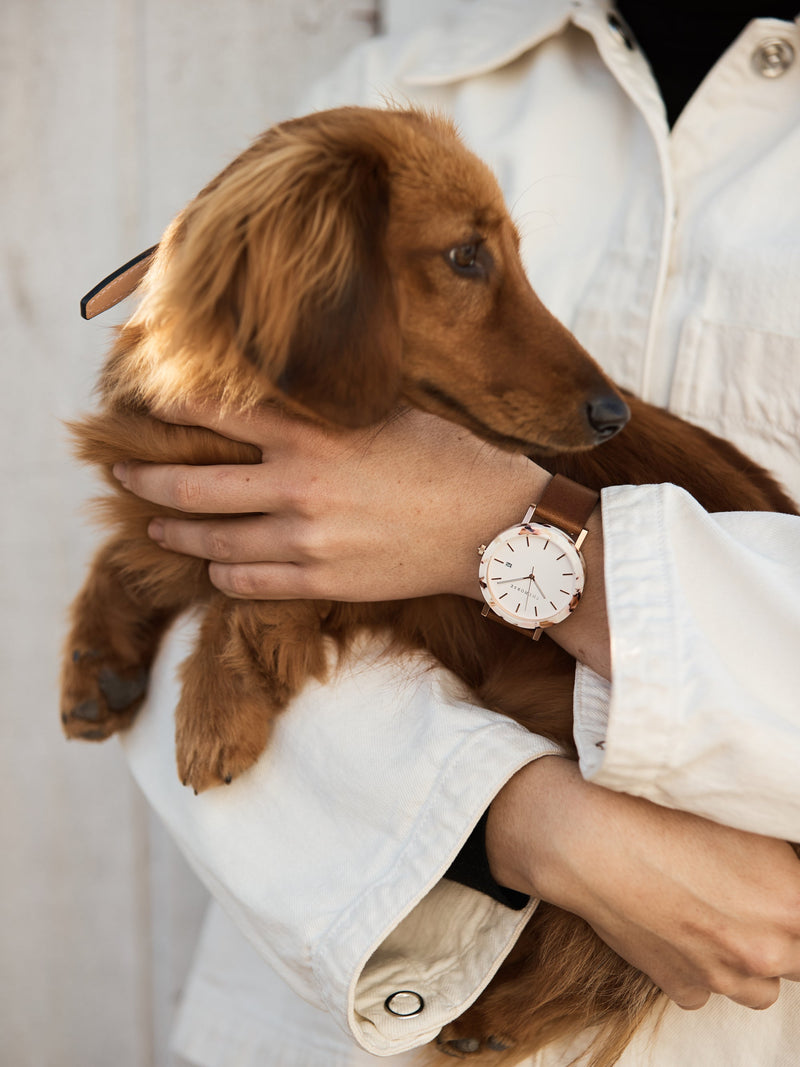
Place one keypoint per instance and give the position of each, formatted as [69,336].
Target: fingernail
[120,471]
[156,530]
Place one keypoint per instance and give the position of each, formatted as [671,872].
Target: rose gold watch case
[544,612]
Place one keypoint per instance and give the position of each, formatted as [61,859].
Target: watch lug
[537,633]
[581,539]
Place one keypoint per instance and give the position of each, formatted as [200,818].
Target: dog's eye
[464,258]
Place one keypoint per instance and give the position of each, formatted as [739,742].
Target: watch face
[532,575]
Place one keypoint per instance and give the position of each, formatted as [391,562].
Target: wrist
[585,634]
[527,823]
[502,504]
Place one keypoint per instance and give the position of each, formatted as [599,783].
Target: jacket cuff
[329,854]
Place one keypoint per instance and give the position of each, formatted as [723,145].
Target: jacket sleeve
[704,710]
[329,853]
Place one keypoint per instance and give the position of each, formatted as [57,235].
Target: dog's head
[358,259]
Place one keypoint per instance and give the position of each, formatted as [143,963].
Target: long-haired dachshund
[345,264]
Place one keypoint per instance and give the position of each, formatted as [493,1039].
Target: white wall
[112,114]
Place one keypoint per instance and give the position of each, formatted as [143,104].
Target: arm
[334,500]
[636,871]
[329,853]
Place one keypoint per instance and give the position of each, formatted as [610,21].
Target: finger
[757,994]
[690,999]
[265,581]
[259,424]
[236,540]
[227,489]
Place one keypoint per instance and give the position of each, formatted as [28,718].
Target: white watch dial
[532,575]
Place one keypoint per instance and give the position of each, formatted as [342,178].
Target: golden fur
[316,272]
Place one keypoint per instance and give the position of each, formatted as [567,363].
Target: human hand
[390,512]
[699,907]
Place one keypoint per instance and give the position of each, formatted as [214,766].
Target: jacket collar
[480,36]
[484,35]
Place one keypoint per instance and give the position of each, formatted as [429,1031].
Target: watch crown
[481,549]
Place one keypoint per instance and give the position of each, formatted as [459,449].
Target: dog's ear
[343,359]
[281,261]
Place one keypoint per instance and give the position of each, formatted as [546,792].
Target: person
[663,237]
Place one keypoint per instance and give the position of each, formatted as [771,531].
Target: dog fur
[348,263]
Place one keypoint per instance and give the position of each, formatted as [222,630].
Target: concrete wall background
[112,114]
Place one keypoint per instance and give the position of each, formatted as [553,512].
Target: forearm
[634,871]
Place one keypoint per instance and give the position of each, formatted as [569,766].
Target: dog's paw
[214,746]
[210,763]
[98,698]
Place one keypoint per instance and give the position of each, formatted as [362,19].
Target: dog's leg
[250,660]
[118,619]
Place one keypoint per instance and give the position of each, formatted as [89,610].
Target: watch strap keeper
[565,504]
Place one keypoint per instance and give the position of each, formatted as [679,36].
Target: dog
[346,264]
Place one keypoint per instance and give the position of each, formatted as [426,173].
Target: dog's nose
[607,414]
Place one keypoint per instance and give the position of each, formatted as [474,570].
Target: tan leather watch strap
[117,286]
[567,505]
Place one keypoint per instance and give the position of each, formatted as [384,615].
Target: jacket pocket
[743,384]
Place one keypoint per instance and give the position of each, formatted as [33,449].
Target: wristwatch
[532,575]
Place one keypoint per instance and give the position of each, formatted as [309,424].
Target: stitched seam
[105,299]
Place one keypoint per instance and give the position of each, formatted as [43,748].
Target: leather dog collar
[107,293]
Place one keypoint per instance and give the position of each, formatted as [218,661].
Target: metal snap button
[773,57]
[404,1002]
[620,28]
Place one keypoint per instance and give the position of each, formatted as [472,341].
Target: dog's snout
[607,414]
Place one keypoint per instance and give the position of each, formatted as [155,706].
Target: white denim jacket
[675,258]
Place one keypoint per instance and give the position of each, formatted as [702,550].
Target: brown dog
[347,263]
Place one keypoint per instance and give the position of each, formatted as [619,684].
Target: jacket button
[404,1002]
[773,57]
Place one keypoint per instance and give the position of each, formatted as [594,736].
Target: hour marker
[544,549]
[502,595]
[567,574]
[535,611]
[564,591]
[517,607]
[561,556]
[509,546]
[528,542]
[552,605]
